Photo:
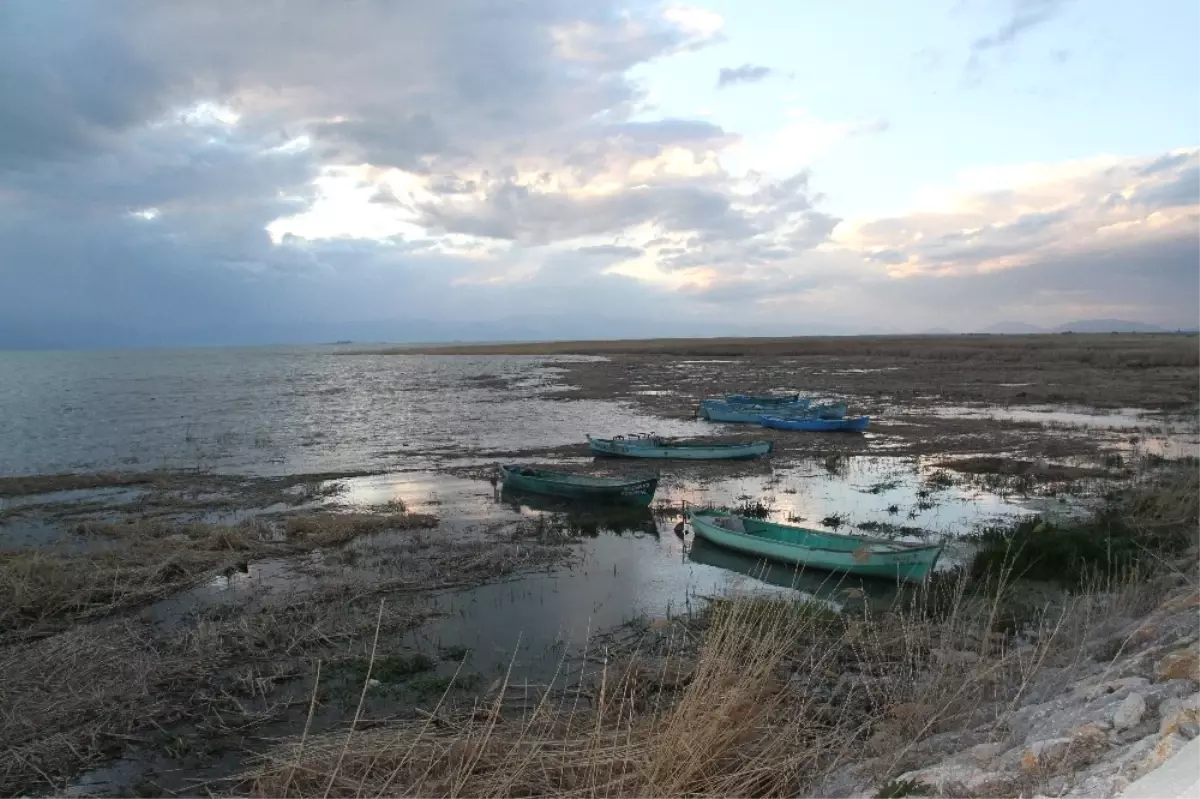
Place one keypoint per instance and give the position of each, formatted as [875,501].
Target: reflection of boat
[579,486]
[652,446]
[583,517]
[855,554]
[750,399]
[854,424]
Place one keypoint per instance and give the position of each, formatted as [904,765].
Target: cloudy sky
[220,171]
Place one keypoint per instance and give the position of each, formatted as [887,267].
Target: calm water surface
[286,410]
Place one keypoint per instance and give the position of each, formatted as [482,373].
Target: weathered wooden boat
[850,424]
[578,486]
[853,554]
[750,399]
[652,446]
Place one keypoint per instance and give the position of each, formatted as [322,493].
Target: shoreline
[222,611]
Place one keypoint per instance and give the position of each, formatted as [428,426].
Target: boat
[578,486]
[826,410]
[652,446]
[849,424]
[750,399]
[833,552]
[720,411]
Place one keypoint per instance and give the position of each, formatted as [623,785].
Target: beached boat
[853,554]
[719,411]
[578,486]
[825,410]
[850,424]
[750,399]
[653,446]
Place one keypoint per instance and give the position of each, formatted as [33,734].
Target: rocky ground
[1087,728]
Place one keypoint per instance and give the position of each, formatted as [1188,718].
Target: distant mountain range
[1077,326]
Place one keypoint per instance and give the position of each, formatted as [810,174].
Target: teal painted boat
[718,411]
[578,486]
[852,424]
[826,410]
[769,400]
[852,554]
[652,446]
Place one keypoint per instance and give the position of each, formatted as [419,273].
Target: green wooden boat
[578,486]
[853,554]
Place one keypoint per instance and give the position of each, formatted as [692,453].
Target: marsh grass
[1151,521]
[41,591]
[777,696]
[1139,351]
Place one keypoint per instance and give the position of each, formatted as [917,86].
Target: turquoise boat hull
[750,399]
[828,410]
[718,411]
[855,424]
[577,486]
[666,449]
[785,543]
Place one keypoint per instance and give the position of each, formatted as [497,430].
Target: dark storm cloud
[746,73]
[128,208]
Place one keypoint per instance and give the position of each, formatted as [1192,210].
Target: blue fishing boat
[850,424]
[652,446]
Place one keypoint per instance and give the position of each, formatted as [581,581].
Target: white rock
[1175,777]
[1129,713]
[960,776]
[1049,749]
[984,754]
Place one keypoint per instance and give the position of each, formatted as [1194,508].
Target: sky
[228,172]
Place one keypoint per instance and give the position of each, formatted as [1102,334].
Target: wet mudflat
[225,606]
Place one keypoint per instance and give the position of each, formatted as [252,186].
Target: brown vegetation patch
[988,464]
[46,483]
[41,591]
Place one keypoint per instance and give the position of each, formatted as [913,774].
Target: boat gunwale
[548,475]
[618,442]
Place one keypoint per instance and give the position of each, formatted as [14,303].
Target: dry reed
[778,698]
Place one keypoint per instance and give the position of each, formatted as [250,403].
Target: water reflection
[582,518]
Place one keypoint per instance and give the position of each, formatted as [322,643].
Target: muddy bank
[1107,371]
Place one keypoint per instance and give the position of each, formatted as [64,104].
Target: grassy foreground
[761,697]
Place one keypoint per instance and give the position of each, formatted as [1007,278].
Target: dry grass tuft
[778,697]
[42,591]
[327,529]
[46,483]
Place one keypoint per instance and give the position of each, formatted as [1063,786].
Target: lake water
[286,410]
